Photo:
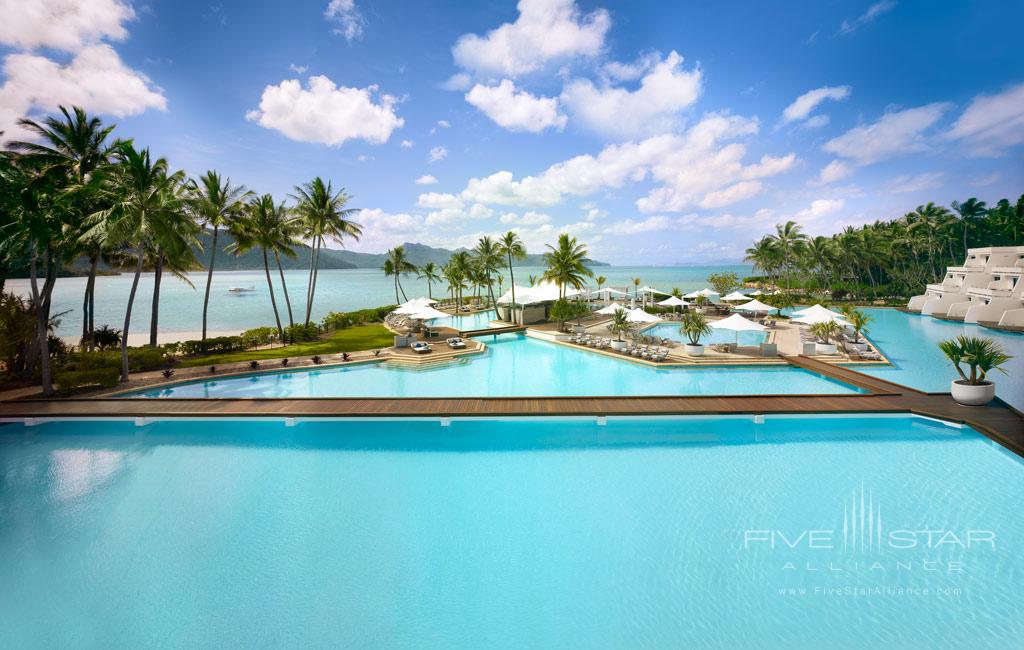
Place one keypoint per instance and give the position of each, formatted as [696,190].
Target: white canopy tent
[652,290]
[737,324]
[426,312]
[674,301]
[543,292]
[610,309]
[413,305]
[735,295]
[640,316]
[608,292]
[707,293]
[756,306]
[756,292]
[817,314]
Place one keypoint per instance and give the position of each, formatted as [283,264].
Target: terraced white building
[986,290]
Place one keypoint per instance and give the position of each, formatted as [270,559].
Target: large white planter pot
[702,310]
[825,348]
[579,329]
[693,350]
[859,347]
[972,395]
[619,345]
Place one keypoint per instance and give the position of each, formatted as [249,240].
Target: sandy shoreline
[142,338]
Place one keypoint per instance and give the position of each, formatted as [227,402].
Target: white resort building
[986,290]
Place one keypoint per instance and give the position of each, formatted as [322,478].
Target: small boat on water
[241,289]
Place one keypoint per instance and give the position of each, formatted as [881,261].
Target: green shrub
[300,333]
[140,359]
[69,381]
[215,345]
[337,320]
[258,336]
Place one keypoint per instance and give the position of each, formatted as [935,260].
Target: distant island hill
[418,254]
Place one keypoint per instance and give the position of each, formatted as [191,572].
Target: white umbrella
[673,301]
[756,292]
[413,305]
[426,312]
[640,316]
[814,319]
[737,324]
[646,289]
[735,295]
[817,311]
[756,305]
[707,293]
[610,309]
[609,291]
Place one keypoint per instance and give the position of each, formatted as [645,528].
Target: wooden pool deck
[997,420]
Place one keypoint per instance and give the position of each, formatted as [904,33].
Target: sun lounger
[456,343]
[420,347]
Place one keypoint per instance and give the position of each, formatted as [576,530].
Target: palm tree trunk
[398,281]
[154,318]
[209,277]
[128,315]
[512,279]
[316,274]
[88,302]
[309,282]
[284,287]
[42,317]
[396,288]
[273,301]
[430,290]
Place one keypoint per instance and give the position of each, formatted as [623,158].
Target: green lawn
[360,337]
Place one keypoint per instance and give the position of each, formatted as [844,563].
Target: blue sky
[656,132]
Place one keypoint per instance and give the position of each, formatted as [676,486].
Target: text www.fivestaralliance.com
[880,590]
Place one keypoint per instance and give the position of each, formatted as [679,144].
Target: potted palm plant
[620,325]
[693,327]
[825,332]
[980,356]
[859,321]
[701,302]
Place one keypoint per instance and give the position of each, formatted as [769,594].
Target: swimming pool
[671,331]
[911,342]
[507,533]
[514,365]
[475,321]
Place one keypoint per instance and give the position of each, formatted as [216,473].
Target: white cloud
[406,144]
[836,170]
[803,105]
[325,113]
[905,184]
[382,230]
[457,215]
[444,124]
[298,69]
[459,81]
[733,194]
[95,79]
[426,179]
[894,134]
[819,208]
[437,153]
[529,218]
[992,123]
[664,91]
[545,31]
[702,164]
[347,17]
[874,11]
[67,25]
[634,227]
[618,71]
[985,181]
[439,201]
[516,110]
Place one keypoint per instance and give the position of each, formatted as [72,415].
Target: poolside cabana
[532,303]
[411,306]
[737,324]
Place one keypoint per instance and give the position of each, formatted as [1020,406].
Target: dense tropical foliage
[885,259]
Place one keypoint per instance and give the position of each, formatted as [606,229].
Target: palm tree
[455,275]
[216,204]
[636,289]
[969,211]
[566,264]
[431,273]
[764,255]
[600,280]
[77,146]
[260,225]
[178,262]
[512,247]
[146,212]
[397,264]
[323,214]
[284,240]
[789,240]
[488,258]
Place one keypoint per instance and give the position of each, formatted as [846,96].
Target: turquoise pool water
[671,331]
[499,534]
[514,365]
[911,342]
[475,321]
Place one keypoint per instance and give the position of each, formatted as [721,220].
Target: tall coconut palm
[789,240]
[260,226]
[77,145]
[396,264]
[323,214]
[566,264]
[177,261]
[431,273]
[512,247]
[969,211]
[600,280]
[145,212]
[216,203]
[636,288]
[455,275]
[488,254]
